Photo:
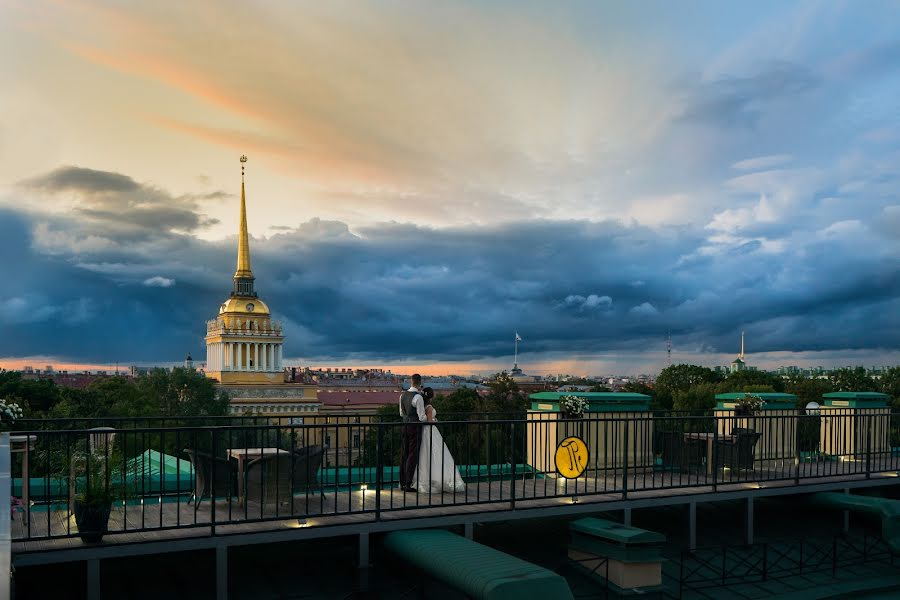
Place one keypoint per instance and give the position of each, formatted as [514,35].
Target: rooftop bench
[475,569]
[633,556]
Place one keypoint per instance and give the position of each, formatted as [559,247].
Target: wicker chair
[678,453]
[211,470]
[278,477]
[737,452]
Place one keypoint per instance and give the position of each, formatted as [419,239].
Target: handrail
[509,458]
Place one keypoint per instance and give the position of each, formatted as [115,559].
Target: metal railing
[221,472]
[723,566]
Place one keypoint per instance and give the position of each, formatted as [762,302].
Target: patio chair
[101,441]
[307,463]
[211,470]
[737,452]
[280,476]
[679,453]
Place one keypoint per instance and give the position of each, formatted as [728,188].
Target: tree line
[692,387]
[159,393]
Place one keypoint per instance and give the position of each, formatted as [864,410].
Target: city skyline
[425,181]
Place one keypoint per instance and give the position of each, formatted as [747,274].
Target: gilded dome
[246,305]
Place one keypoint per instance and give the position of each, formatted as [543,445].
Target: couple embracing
[426,464]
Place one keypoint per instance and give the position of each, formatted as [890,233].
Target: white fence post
[5,519]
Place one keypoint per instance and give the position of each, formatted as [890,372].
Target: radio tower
[669,347]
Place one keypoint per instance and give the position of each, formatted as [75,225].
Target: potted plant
[572,407]
[93,499]
[10,412]
[748,405]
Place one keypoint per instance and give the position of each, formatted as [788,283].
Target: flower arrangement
[573,406]
[9,413]
[748,405]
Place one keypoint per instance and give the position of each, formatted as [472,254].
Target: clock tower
[244,343]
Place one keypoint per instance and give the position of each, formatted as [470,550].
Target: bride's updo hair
[428,395]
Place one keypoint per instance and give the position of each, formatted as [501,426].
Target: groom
[412,410]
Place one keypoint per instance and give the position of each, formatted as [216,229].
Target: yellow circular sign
[571,457]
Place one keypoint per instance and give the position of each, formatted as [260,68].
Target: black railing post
[799,455]
[714,455]
[625,464]
[379,467]
[512,465]
[868,446]
[212,484]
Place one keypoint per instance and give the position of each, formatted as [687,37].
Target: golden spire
[243,257]
[742,345]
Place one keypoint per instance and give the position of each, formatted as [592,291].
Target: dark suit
[410,437]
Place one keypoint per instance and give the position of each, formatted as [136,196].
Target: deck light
[302,522]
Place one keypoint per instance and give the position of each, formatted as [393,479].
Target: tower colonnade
[244,356]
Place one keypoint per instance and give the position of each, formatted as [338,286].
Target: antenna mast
[669,347]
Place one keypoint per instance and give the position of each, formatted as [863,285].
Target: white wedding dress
[436,470]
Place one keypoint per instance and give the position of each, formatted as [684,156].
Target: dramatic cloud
[82,180]
[405,292]
[426,178]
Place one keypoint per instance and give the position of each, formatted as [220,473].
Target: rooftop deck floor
[325,510]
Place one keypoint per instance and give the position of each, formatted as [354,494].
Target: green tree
[807,389]
[461,403]
[505,397]
[852,380]
[160,393]
[697,398]
[680,378]
[890,384]
[35,397]
[743,381]
[180,393]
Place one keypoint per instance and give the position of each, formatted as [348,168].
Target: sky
[425,179]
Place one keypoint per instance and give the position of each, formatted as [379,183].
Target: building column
[256,364]
[278,357]
[265,357]
[240,356]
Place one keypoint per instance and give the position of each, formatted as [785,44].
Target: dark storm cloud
[397,291]
[82,180]
[741,101]
[118,206]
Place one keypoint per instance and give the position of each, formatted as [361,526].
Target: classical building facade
[244,345]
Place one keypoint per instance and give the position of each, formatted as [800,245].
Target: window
[356,440]
[328,440]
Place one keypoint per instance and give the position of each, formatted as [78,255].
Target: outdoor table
[24,444]
[243,455]
[709,439]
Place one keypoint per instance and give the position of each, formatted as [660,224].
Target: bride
[436,470]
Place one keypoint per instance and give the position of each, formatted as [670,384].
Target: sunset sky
[427,178]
